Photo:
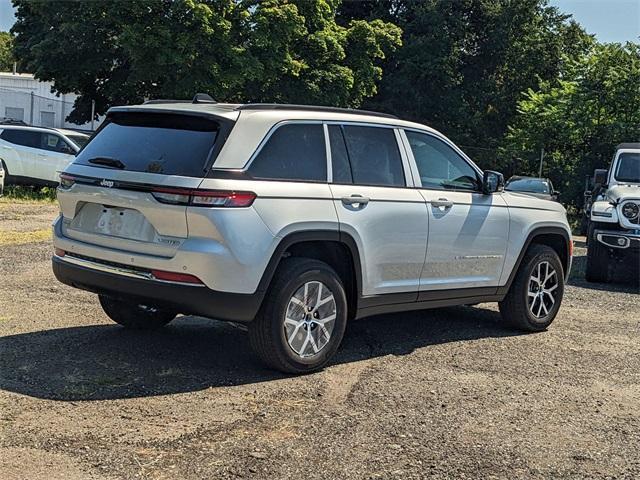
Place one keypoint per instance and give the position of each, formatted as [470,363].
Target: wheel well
[556,241]
[339,257]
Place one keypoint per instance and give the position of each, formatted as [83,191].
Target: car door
[371,187]
[468,231]
[19,151]
[54,156]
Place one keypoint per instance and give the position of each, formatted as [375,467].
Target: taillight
[66,181]
[175,277]
[203,198]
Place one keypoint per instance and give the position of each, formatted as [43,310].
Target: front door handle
[355,200]
[442,202]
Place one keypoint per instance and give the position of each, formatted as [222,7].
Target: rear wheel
[598,261]
[534,298]
[135,315]
[303,317]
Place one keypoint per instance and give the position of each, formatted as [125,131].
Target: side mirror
[600,176]
[492,182]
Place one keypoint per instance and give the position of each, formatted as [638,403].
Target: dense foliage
[579,119]
[121,52]
[6,52]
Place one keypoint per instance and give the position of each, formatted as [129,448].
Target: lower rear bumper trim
[187,299]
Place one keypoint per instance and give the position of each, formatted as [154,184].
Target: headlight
[630,210]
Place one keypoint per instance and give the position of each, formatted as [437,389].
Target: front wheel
[303,318]
[534,298]
[135,315]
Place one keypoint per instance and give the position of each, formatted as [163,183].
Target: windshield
[79,139]
[530,185]
[628,167]
[170,144]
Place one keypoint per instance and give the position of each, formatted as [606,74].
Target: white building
[24,98]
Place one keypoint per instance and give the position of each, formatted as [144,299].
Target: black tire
[135,315]
[267,332]
[514,308]
[598,261]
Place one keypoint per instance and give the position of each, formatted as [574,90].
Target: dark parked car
[538,187]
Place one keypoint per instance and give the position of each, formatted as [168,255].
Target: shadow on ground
[108,362]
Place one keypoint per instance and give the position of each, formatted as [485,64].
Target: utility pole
[93,112]
[541,159]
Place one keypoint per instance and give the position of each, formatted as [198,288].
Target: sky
[609,20]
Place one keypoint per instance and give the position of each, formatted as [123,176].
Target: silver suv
[295,219]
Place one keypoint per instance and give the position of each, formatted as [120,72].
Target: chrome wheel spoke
[309,321]
[542,283]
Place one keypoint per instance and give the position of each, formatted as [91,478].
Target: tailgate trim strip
[116,269]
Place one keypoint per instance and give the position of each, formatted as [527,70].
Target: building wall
[22,97]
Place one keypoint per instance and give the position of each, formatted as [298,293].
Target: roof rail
[311,108]
[198,98]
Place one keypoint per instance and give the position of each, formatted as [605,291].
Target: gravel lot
[444,393]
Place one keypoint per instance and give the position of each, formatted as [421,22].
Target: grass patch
[24,194]
[21,238]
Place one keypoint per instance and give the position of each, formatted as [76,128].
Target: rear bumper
[187,299]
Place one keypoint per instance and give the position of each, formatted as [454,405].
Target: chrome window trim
[455,148]
[409,179]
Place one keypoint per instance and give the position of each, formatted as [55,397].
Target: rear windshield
[162,143]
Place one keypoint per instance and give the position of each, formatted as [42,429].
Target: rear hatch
[124,189]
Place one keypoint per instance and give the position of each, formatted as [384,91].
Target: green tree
[464,63]
[6,51]
[578,120]
[118,52]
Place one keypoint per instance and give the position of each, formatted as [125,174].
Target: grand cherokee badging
[295,219]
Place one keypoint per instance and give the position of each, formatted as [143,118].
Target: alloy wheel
[310,319]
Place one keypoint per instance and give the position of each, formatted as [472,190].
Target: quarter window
[374,156]
[294,151]
[439,165]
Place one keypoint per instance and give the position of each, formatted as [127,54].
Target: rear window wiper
[107,162]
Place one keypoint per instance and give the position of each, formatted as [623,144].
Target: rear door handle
[442,202]
[355,200]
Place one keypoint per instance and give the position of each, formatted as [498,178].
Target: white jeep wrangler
[613,234]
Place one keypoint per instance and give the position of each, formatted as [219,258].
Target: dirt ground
[445,393]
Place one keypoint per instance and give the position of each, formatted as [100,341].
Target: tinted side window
[339,157]
[54,143]
[374,155]
[25,138]
[439,165]
[294,151]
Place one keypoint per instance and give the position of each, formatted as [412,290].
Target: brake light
[204,198]
[66,181]
[175,277]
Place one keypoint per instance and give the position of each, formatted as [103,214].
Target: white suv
[37,155]
[295,219]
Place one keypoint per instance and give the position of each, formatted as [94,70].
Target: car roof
[276,112]
[628,146]
[34,128]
